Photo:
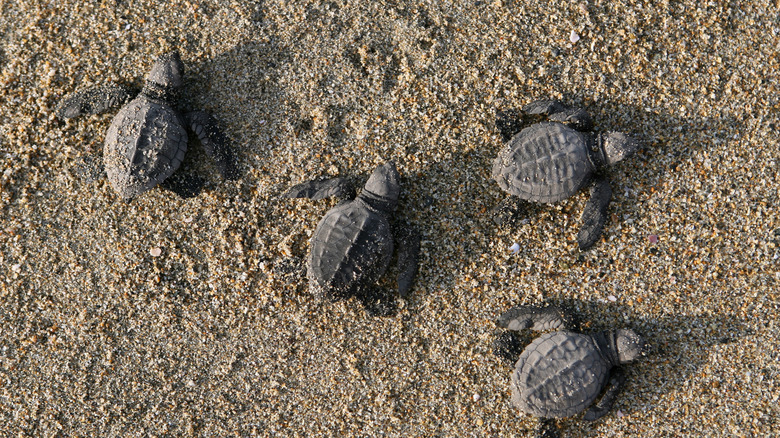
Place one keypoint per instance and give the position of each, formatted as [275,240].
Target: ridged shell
[545,162]
[144,145]
[352,244]
[558,375]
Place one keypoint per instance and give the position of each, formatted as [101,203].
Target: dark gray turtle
[353,244]
[147,139]
[562,372]
[551,161]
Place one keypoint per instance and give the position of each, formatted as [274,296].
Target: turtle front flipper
[595,214]
[215,143]
[94,100]
[616,381]
[408,243]
[556,111]
[536,318]
[544,107]
[334,187]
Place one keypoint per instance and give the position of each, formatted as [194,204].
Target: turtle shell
[144,145]
[352,244]
[545,162]
[558,375]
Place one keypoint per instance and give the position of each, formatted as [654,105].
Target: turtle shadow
[664,138]
[679,347]
[256,100]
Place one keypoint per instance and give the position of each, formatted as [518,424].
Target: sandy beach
[173,317]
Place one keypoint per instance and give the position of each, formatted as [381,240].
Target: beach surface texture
[173,317]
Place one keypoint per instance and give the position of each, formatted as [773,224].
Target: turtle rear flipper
[544,107]
[334,187]
[556,111]
[94,100]
[408,243]
[536,318]
[215,143]
[577,118]
[616,381]
[595,214]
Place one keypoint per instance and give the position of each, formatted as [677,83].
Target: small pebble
[612,298]
[653,238]
[515,248]
[155,252]
[574,37]
[475,397]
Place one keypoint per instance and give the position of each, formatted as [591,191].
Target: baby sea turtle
[147,139]
[562,372]
[551,161]
[353,244]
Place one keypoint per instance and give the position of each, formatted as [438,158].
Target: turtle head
[167,71]
[630,345]
[383,187]
[617,146]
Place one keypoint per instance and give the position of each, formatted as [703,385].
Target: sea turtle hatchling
[353,244]
[562,372]
[147,139]
[550,161]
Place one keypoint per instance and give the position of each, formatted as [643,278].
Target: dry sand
[217,334]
